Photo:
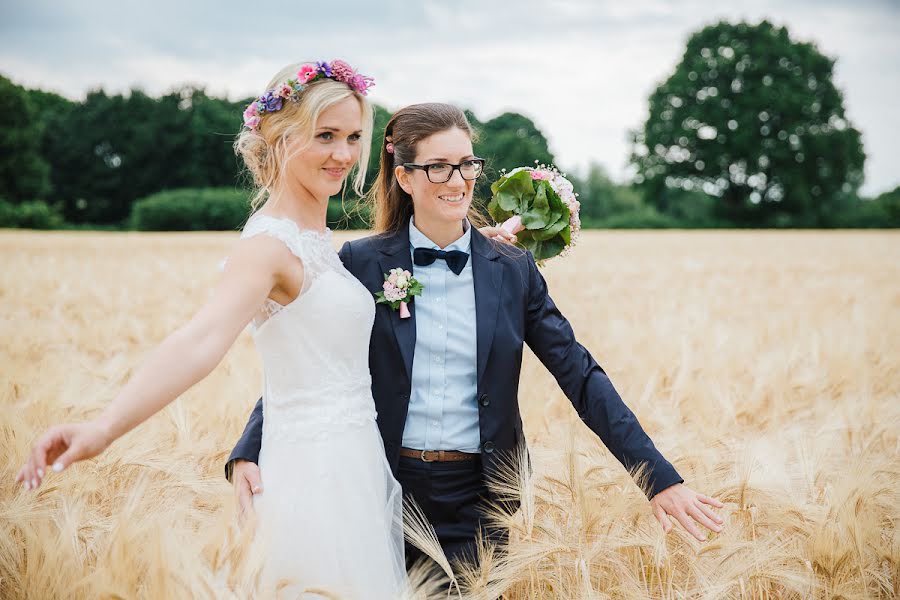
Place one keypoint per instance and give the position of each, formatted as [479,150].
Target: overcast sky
[582,69]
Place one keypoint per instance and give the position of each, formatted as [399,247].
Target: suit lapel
[395,253]
[488,280]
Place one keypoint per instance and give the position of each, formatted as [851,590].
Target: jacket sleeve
[551,338]
[248,446]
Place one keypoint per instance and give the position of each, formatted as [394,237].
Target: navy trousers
[452,495]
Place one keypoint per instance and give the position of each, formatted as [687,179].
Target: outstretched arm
[185,357]
[550,336]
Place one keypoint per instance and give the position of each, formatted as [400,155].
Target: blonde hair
[265,151]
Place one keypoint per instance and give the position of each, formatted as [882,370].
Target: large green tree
[111,150]
[24,174]
[753,117]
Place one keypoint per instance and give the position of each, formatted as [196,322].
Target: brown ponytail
[390,206]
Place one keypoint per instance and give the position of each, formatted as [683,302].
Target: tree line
[748,131]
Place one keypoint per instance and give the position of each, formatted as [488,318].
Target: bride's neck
[296,203]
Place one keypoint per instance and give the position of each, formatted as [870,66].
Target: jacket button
[488,447]
[484,400]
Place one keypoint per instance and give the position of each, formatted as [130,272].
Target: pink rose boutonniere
[398,289]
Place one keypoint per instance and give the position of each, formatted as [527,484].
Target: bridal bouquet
[540,206]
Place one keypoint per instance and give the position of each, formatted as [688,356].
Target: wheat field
[765,366]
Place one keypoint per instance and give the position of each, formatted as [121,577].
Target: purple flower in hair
[324,68]
[271,101]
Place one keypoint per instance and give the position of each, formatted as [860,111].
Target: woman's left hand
[498,233]
[689,508]
[61,446]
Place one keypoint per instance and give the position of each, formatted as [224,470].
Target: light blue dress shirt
[443,410]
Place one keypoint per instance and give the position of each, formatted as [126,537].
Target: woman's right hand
[61,446]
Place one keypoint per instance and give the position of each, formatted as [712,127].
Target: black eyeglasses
[442,172]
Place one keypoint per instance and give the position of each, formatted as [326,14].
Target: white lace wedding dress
[330,513]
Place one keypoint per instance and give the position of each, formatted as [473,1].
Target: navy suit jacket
[512,307]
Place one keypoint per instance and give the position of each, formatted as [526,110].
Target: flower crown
[273,100]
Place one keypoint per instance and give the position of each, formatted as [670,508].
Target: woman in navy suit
[445,377]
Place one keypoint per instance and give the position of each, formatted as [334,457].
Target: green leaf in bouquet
[552,230]
[507,201]
[566,234]
[516,192]
[556,203]
[544,249]
[538,215]
[497,213]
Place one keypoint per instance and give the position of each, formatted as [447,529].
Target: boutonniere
[399,288]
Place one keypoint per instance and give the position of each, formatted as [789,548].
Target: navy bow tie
[456,259]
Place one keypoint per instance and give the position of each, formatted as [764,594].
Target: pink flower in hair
[285,90]
[361,84]
[342,71]
[252,122]
[251,111]
[306,73]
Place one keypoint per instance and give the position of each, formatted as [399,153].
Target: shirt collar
[417,239]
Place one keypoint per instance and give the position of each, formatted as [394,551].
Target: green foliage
[605,203]
[190,209]
[600,197]
[24,173]
[30,215]
[110,150]
[889,205]
[882,211]
[753,118]
[347,212]
[790,147]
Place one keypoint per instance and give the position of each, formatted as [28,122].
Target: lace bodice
[314,350]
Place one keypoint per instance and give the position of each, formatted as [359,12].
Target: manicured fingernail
[257,490]
[27,485]
[57,467]
[40,473]
[34,482]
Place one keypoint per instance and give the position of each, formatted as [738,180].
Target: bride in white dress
[330,519]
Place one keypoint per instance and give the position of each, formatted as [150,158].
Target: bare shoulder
[260,254]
